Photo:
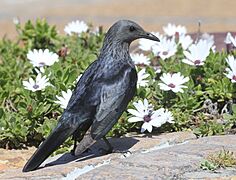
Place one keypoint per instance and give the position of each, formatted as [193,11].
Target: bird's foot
[72,152]
[103,151]
[122,151]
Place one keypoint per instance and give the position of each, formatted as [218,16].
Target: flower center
[177,35]
[164,53]
[171,85]
[197,62]
[35,86]
[234,77]
[147,118]
[41,64]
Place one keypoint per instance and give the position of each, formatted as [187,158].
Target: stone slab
[167,156]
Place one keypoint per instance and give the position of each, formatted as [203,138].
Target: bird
[100,97]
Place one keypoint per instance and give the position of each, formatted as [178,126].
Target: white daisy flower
[228,41]
[185,41]
[140,59]
[168,116]
[40,70]
[197,53]
[64,99]
[96,31]
[38,84]
[16,20]
[144,112]
[146,45]
[208,37]
[40,58]
[76,27]
[231,72]
[165,49]
[233,40]
[142,109]
[210,40]
[228,38]
[173,30]
[142,75]
[161,116]
[157,69]
[173,82]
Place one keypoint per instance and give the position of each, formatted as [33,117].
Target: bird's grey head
[126,31]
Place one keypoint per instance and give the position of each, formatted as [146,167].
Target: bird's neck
[116,50]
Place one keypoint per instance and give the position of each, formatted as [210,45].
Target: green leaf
[234,108]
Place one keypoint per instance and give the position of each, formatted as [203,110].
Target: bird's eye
[132,28]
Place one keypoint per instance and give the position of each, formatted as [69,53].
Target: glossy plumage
[101,95]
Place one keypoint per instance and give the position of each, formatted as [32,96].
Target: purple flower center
[35,86]
[197,62]
[234,77]
[171,85]
[164,53]
[147,118]
[177,35]
[41,64]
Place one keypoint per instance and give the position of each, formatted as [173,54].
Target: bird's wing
[114,99]
[82,93]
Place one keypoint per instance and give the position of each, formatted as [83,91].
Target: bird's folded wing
[114,99]
[82,86]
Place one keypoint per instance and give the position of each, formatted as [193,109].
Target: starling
[100,97]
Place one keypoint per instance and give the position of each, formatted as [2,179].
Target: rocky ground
[166,156]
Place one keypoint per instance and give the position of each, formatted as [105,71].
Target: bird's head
[128,31]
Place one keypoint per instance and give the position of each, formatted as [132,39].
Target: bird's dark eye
[132,28]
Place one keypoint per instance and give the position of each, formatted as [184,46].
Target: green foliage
[207,165]
[39,35]
[221,159]
[27,117]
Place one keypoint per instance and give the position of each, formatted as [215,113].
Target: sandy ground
[215,15]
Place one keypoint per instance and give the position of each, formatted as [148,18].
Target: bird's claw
[72,152]
[122,151]
[105,151]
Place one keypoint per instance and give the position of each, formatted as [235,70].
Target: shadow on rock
[119,144]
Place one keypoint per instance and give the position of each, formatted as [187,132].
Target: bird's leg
[111,149]
[77,137]
[106,151]
[75,144]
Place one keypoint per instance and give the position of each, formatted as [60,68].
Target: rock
[167,156]
[14,158]
[3,166]
[171,162]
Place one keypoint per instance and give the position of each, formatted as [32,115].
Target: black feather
[101,95]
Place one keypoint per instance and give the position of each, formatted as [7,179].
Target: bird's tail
[54,140]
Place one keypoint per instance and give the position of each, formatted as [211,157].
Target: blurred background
[214,15]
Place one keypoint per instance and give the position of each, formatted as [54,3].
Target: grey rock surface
[166,156]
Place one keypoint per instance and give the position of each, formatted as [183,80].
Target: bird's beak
[148,35]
